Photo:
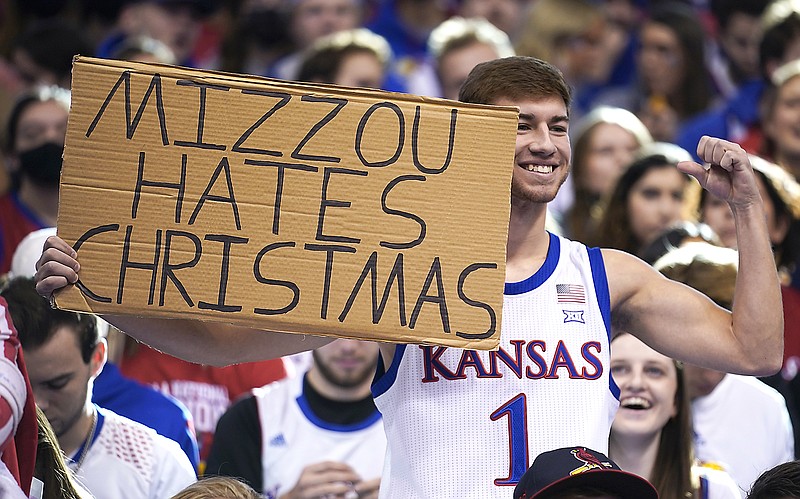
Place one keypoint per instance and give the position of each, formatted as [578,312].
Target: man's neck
[335,392]
[71,440]
[338,412]
[528,241]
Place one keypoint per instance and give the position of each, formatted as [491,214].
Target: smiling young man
[467,424]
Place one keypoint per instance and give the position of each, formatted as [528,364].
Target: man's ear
[98,358]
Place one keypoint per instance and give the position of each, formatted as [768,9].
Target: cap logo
[589,460]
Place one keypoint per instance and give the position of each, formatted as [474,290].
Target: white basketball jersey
[467,424]
[293,437]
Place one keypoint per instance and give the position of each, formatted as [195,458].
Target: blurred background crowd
[649,79]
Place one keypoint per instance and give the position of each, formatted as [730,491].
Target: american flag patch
[570,293]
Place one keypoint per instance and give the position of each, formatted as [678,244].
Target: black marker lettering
[168,268]
[85,237]
[276,212]
[325,203]
[435,272]
[201,115]
[404,214]
[125,264]
[401,134]
[329,249]
[415,143]
[275,282]
[284,99]
[226,241]
[395,277]
[474,303]
[230,199]
[340,103]
[125,78]
[180,187]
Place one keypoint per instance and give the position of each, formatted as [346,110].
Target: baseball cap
[28,251]
[558,470]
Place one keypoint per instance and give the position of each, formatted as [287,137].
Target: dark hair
[672,469]
[614,230]
[781,481]
[38,94]
[775,40]
[52,44]
[674,237]
[36,322]
[723,10]
[322,65]
[514,78]
[325,57]
[695,92]
[787,252]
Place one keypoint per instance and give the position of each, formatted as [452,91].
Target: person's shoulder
[288,383]
[131,434]
[719,484]
[754,390]
[140,447]
[622,266]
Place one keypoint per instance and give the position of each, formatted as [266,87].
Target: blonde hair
[707,268]
[218,487]
[459,31]
[551,22]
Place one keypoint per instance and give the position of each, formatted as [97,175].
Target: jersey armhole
[384,379]
[601,286]
[600,280]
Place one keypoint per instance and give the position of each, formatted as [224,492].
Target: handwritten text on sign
[286,206]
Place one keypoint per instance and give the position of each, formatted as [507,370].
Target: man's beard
[349,380]
[537,194]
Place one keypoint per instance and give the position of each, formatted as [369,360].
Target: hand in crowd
[331,480]
[368,489]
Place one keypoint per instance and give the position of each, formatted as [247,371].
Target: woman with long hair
[652,431]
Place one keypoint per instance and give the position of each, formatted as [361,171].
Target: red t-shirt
[205,390]
[791,331]
[16,222]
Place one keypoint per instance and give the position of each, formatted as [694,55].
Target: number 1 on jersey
[517,411]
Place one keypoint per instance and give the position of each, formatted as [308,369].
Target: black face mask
[268,27]
[43,164]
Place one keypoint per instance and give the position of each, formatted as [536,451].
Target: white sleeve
[173,471]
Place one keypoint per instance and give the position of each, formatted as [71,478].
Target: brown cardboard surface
[286,206]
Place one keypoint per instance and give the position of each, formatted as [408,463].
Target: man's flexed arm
[757,312]
[678,321]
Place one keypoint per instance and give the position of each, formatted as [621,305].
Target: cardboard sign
[286,206]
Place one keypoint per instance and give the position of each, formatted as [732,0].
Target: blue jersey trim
[541,275]
[382,383]
[704,487]
[325,425]
[100,420]
[600,280]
